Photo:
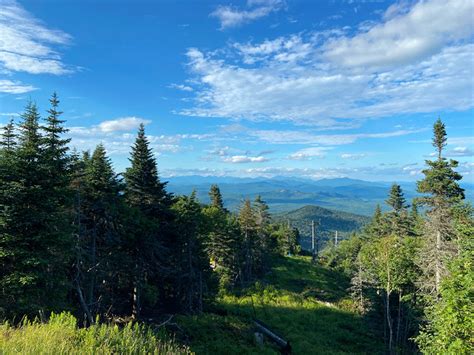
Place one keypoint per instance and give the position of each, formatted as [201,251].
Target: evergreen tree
[443,192]
[396,199]
[8,141]
[36,247]
[145,192]
[194,269]
[99,234]
[144,189]
[216,197]
[248,226]
[398,218]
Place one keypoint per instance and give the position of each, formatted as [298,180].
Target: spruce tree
[144,189]
[145,192]
[442,192]
[194,270]
[99,234]
[396,199]
[36,248]
[398,217]
[216,197]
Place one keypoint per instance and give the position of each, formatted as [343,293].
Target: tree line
[412,270]
[75,235]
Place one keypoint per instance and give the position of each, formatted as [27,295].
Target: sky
[255,88]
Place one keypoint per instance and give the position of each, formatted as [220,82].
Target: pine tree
[145,192]
[396,199]
[99,235]
[36,249]
[8,142]
[216,197]
[194,270]
[441,185]
[398,217]
[144,189]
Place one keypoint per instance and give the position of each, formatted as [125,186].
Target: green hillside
[308,305]
[327,223]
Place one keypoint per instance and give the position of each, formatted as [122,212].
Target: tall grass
[61,335]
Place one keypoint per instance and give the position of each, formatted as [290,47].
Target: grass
[306,304]
[60,335]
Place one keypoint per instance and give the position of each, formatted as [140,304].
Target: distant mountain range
[285,194]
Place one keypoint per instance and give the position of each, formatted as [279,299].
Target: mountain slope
[327,223]
[307,304]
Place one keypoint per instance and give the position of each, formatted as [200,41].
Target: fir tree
[216,197]
[145,192]
[8,141]
[396,199]
[144,189]
[443,192]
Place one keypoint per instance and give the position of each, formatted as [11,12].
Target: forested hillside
[327,222]
[110,263]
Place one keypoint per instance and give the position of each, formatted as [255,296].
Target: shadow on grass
[288,301]
[310,330]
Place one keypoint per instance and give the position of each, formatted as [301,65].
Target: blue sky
[314,89]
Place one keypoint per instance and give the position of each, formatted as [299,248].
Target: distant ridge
[328,222]
[290,193]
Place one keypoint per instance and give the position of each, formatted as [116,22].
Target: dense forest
[76,236]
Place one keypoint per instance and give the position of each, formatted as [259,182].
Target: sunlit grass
[306,304]
[60,335]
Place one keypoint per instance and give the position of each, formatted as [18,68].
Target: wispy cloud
[338,78]
[122,124]
[309,153]
[352,156]
[303,137]
[239,159]
[230,16]
[27,44]
[181,87]
[15,87]
[460,152]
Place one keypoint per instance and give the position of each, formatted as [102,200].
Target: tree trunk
[397,339]
[136,305]
[438,261]
[389,319]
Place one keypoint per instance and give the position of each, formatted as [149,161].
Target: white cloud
[353,156]
[230,16]
[27,44]
[181,87]
[309,153]
[324,90]
[239,159]
[15,87]
[122,124]
[460,152]
[407,35]
[302,137]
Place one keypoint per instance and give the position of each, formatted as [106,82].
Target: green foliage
[329,221]
[305,303]
[451,319]
[60,335]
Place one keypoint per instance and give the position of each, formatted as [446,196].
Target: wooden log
[284,345]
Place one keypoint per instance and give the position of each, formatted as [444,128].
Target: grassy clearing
[62,336]
[306,304]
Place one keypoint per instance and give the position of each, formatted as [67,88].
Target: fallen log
[285,347]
